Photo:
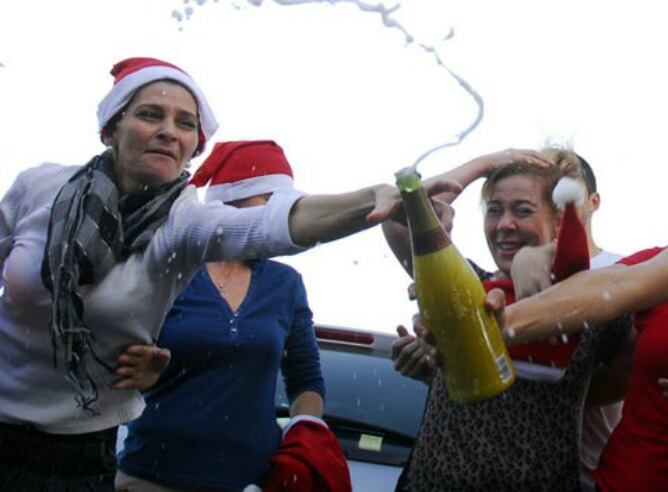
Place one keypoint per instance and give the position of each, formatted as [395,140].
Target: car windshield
[366,389]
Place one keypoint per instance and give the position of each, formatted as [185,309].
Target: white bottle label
[504,368]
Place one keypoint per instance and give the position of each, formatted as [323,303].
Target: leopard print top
[526,439]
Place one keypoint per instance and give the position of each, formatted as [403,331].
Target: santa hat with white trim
[572,254]
[241,169]
[132,74]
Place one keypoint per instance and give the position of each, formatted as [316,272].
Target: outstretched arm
[484,165]
[589,297]
[322,218]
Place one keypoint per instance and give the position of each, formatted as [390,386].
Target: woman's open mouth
[508,248]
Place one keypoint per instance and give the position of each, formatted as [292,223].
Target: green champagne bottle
[476,364]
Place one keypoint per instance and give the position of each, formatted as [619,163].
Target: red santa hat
[244,168]
[310,459]
[572,253]
[133,73]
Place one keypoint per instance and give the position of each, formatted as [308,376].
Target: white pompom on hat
[132,74]
[569,190]
[244,168]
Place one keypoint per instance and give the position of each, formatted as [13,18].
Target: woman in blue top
[210,420]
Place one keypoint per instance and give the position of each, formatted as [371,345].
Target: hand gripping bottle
[476,364]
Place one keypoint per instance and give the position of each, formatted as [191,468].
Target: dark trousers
[34,461]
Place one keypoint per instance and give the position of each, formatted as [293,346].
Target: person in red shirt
[636,456]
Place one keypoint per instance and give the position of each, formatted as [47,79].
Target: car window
[365,388]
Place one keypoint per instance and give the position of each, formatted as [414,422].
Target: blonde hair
[566,164]
[566,160]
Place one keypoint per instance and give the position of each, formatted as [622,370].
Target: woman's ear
[107,133]
[106,136]
[594,201]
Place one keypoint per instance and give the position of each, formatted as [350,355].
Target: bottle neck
[427,233]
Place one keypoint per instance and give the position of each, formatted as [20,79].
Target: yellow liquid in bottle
[476,364]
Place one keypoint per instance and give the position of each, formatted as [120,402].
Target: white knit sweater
[128,306]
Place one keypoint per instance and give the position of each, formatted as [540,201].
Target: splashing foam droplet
[389,22]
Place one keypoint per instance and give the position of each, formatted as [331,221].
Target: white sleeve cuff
[277,217]
[300,418]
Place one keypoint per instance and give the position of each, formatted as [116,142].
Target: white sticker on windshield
[370,443]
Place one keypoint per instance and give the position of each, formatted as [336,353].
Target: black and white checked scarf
[92,227]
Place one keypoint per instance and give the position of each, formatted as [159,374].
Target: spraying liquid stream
[385,14]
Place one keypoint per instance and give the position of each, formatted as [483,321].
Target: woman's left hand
[387,204]
[139,367]
[409,357]
[663,385]
[531,269]
[495,302]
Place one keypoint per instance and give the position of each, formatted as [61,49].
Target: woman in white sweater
[92,258]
